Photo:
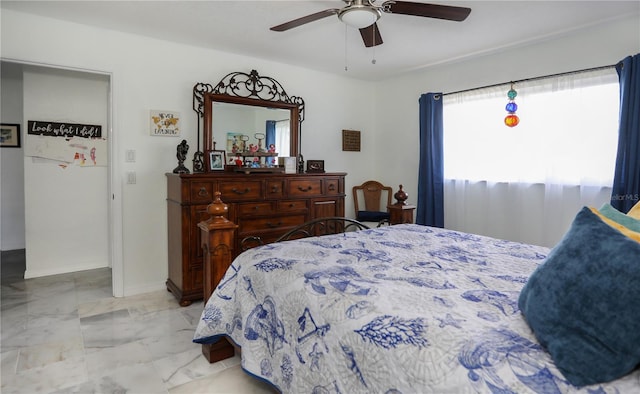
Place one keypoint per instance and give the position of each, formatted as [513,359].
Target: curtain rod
[531,79]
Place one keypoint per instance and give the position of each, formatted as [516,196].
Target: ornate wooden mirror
[234,112]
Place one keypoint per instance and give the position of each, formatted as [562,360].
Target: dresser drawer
[274,189]
[255,208]
[292,206]
[333,186]
[236,191]
[201,192]
[258,225]
[305,187]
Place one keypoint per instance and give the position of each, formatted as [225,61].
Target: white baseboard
[128,291]
[150,288]
[64,269]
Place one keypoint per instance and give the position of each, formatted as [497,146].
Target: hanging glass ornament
[511,119]
[511,107]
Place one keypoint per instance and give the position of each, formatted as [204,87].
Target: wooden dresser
[264,205]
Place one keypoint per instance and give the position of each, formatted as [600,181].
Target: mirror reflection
[238,128]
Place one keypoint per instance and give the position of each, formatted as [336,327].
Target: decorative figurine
[300,164]
[272,148]
[401,197]
[181,154]
[260,138]
[243,145]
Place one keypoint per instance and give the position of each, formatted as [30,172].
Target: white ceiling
[410,42]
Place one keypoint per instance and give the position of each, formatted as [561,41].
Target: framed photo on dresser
[315,166]
[217,159]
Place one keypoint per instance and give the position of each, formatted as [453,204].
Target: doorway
[68,205]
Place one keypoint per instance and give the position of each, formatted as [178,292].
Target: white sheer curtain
[283,141]
[527,183]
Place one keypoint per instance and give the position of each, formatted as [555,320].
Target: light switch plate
[131,178]
[130,156]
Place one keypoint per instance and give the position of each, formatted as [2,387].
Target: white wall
[396,102]
[12,232]
[66,217]
[144,80]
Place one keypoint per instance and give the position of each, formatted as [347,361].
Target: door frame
[114,188]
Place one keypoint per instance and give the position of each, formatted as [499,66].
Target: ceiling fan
[363,15]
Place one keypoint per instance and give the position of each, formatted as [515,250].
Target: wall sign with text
[75,144]
[165,123]
[57,129]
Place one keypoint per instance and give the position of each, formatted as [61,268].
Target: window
[568,131]
[528,182]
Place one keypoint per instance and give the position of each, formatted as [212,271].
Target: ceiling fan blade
[371,35]
[305,19]
[446,12]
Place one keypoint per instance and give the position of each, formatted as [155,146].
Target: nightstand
[400,213]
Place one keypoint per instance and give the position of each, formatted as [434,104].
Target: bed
[397,309]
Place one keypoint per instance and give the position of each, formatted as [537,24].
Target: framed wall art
[10,135]
[217,159]
[165,123]
[351,140]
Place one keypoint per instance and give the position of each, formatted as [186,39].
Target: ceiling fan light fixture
[359,16]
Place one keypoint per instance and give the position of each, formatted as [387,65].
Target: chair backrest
[372,196]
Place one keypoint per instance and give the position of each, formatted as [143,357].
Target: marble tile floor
[67,334]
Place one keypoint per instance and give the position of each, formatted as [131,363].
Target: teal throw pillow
[583,302]
[609,211]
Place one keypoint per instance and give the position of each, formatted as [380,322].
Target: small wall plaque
[351,140]
[165,123]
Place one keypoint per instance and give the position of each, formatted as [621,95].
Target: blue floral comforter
[398,309]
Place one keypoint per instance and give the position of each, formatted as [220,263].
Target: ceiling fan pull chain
[346,67]
[373,33]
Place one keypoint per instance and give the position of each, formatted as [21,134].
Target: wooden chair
[372,193]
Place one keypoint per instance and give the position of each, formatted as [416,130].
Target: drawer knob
[245,191]
[332,187]
[272,225]
[274,189]
[203,192]
[305,189]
